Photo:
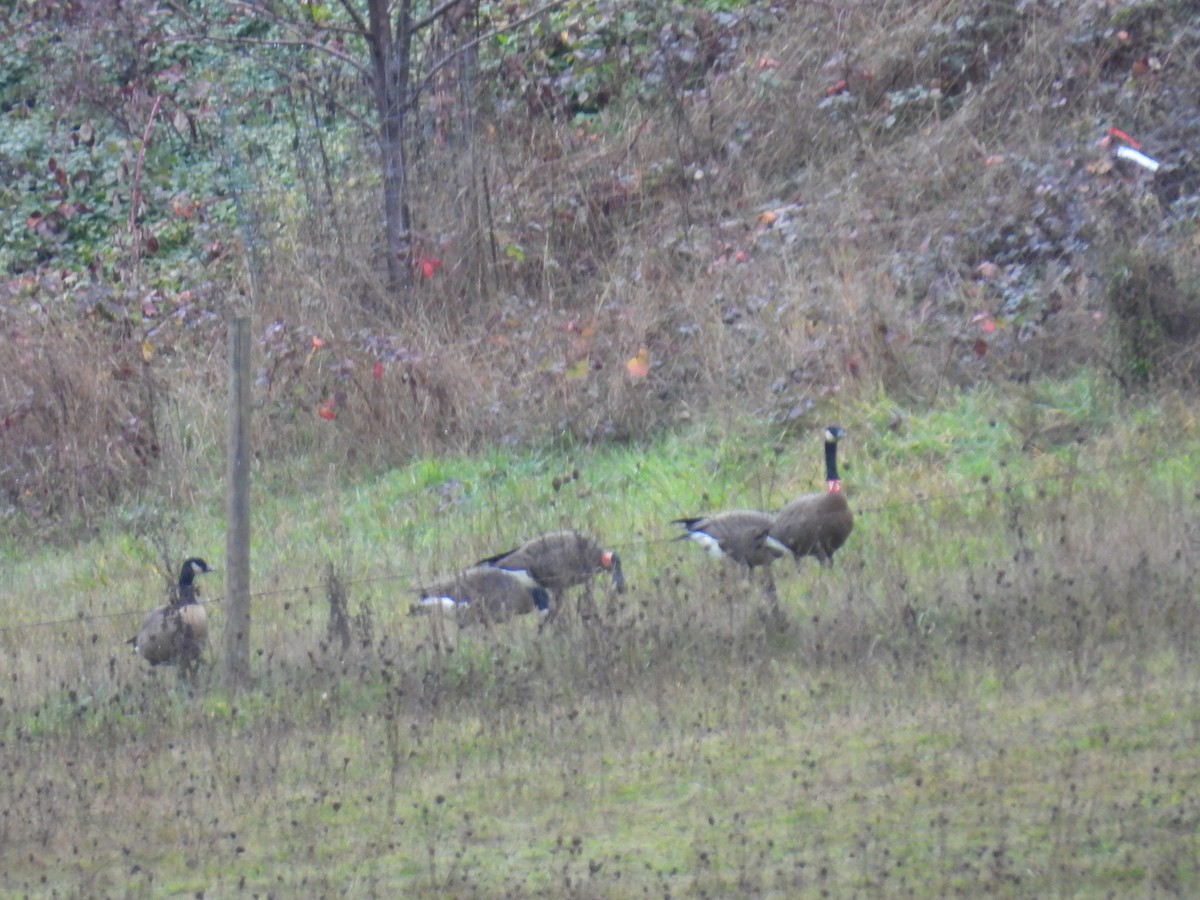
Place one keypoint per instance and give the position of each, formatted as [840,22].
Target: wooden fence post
[237,507]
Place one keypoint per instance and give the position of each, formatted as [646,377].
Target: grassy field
[994,690]
[907,218]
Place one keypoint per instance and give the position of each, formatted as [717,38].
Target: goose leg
[769,586]
[588,609]
[774,612]
[556,602]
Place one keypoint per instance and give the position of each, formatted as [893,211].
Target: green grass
[993,691]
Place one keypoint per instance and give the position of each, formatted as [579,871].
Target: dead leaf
[987,270]
[639,366]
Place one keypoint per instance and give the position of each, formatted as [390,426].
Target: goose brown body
[817,524]
[560,560]
[177,632]
[482,594]
[741,535]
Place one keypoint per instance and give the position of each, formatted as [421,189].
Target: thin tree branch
[339,55]
[354,14]
[486,36]
[295,25]
[435,14]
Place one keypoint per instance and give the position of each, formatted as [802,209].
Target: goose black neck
[187,590]
[831,472]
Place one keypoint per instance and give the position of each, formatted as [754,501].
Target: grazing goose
[482,594]
[559,560]
[741,535]
[177,632]
[817,524]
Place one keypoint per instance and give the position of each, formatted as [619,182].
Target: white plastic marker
[1138,157]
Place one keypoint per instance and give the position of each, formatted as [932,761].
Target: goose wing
[742,535]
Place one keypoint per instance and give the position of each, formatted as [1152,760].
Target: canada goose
[741,535]
[817,524]
[482,594]
[177,632]
[559,560]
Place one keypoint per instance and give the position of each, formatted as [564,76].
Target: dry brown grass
[80,425]
[770,244]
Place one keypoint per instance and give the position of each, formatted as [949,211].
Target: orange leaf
[639,365]
[326,410]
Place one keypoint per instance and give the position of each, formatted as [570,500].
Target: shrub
[1156,319]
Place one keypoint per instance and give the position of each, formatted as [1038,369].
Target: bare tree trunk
[390,58]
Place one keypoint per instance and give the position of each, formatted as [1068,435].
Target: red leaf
[1118,133]
[326,410]
[985,321]
[981,348]
[378,370]
[429,265]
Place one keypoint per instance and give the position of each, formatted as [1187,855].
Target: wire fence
[405,584]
